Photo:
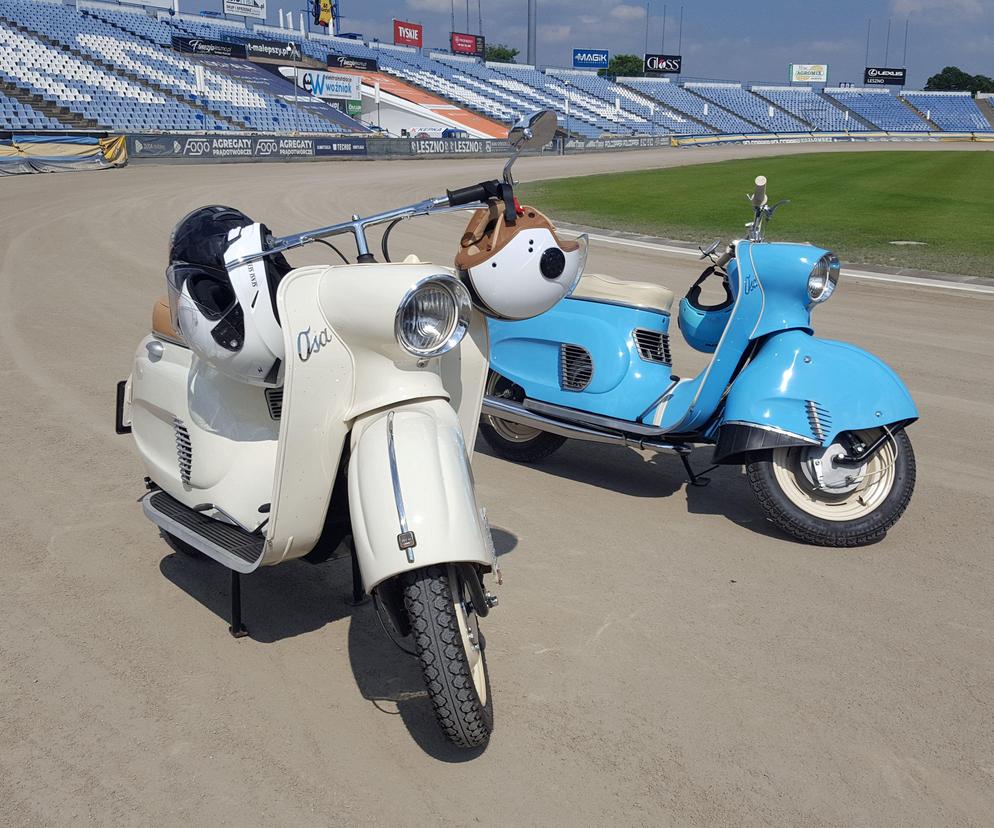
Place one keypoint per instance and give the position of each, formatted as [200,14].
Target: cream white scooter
[361,431]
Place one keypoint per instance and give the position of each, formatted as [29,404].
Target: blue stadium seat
[950,111]
[880,108]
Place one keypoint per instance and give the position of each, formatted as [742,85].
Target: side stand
[358,594]
[695,479]
[237,628]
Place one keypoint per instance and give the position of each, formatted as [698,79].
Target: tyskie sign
[408,34]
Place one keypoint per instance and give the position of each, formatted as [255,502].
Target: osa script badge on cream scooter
[279,411]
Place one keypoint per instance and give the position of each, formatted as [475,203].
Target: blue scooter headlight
[823,278]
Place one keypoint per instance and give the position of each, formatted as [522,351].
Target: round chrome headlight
[823,278]
[433,317]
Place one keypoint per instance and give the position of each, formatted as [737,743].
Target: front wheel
[447,634]
[808,495]
[514,441]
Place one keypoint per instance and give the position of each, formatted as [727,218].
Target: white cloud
[626,12]
[939,8]
[430,5]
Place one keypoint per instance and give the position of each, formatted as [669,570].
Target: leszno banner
[347,62]
[877,75]
[590,58]
[408,34]
[246,8]
[203,46]
[467,44]
[271,50]
[663,64]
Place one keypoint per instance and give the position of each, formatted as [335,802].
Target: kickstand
[237,628]
[695,479]
[358,594]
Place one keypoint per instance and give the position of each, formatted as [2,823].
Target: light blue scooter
[819,425]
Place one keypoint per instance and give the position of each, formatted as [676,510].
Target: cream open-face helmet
[519,270]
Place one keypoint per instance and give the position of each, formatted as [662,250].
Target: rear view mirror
[533,131]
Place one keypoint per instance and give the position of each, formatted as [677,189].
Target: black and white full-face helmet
[227,315]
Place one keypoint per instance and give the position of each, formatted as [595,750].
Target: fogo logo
[266,146]
[196,146]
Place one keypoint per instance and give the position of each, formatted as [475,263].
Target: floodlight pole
[532,26]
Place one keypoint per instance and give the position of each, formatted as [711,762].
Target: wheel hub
[819,467]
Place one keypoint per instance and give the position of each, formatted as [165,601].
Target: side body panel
[623,384]
[434,491]
[816,388]
[464,376]
[201,437]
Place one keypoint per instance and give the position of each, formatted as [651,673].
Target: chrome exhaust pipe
[514,412]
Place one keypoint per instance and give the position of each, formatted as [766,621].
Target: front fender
[806,390]
[434,490]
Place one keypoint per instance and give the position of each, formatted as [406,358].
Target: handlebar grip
[467,195]
[759,196]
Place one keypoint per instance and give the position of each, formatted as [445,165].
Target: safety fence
[64,151]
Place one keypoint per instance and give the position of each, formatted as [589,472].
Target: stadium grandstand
[118,68]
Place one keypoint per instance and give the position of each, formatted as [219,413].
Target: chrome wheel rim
[872,482]
[512,432]
[469,632]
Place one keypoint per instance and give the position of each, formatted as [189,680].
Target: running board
[565,422]
[229,545]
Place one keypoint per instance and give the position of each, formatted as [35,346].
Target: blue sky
[722,39]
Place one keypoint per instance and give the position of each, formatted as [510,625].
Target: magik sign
[325,84]
[590,58]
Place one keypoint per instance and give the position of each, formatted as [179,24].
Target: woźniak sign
[325,84]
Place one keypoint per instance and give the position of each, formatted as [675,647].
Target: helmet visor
[202,296]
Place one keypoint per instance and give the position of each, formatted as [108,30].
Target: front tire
[853,513]
[513,441]
[452,653]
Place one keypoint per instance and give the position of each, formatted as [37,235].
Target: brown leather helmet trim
[487,234]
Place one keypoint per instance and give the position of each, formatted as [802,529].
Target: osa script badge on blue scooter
[819,425]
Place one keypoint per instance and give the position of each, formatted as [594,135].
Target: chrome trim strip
[774,429]
[649,308]
[516,413]
[397,494]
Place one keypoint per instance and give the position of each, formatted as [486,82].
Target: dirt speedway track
[660,656]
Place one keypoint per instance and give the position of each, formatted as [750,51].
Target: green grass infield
[853,203]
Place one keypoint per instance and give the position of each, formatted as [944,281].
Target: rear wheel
[447,634]
[513,441]
[805,493]
[181,546]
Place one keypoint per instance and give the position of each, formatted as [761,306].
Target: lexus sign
[662,64]
[879,75]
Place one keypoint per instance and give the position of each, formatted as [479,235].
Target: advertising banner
[246,8]
[878,75]
[325,84]
[347,62]
[590,58]
[467,44]
[272,50]
[662,64]
[203,46]
[408,34]
[353,108]
[241,146]
[322,12]
[809,73]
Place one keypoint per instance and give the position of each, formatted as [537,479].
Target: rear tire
[452,653]
[852,518]
[513,441]
[181,546]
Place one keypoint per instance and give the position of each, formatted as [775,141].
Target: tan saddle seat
[637,294]
[162,322]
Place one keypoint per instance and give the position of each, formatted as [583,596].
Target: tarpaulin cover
[60,153]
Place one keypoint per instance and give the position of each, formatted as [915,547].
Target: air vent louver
[576,368]
[274,399]
[654,346]
[184,450]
